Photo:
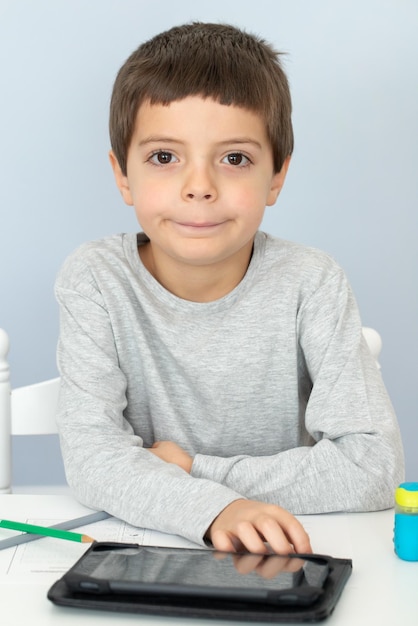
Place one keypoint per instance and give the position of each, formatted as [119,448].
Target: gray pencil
[68,525]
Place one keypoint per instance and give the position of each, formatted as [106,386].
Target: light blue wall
[351,190]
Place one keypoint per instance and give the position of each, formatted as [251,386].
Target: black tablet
[199,573]
[194,582]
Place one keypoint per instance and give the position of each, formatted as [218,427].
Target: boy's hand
[170,452]
[249,525]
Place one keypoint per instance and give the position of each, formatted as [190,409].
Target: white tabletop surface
[382,589]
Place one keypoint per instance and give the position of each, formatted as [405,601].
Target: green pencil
[45,531]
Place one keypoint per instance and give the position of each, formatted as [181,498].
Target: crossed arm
[244,524]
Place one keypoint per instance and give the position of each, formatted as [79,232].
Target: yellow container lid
[407,495]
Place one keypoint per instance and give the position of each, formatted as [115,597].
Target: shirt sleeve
[356,460]
[106,465]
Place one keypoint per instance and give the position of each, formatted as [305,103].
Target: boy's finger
[225,542]
[296,535]
[251,538]
[275,536]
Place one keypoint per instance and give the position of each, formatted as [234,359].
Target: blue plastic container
[406,521]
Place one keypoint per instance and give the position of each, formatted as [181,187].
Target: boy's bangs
[223,80]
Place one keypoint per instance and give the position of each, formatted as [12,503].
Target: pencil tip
[87,539]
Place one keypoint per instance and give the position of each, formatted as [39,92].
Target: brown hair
[210,60]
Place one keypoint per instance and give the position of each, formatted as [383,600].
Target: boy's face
[199,175]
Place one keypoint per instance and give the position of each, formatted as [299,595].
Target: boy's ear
[121,179]
[278,182]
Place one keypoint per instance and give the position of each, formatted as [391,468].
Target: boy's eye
[237,158]
[162,157]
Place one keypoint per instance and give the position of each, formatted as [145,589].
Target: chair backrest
[31,410]
[374,341]
[28,410]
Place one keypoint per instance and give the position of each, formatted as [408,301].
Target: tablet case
[189,607]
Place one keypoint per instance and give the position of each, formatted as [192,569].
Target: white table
[383,590]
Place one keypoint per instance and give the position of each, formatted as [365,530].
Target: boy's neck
[205,283]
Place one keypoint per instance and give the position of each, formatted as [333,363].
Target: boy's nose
[199,184]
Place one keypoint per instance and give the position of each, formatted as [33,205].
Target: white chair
[31,410]
[374,341]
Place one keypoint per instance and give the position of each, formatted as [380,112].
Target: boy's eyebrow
[239,140]
[158,139]
[231,140]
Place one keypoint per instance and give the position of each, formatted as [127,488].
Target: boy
[214,379]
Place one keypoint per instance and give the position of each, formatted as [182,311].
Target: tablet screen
[195,572]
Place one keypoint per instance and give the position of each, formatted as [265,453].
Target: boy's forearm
[355,476]
[134,485]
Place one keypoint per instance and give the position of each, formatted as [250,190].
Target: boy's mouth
[198,226]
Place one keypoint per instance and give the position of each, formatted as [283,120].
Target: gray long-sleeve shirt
[271,389]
